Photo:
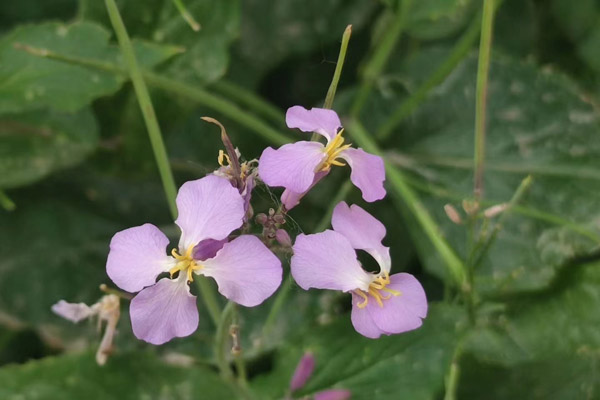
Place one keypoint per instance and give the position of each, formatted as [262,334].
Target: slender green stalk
[406,108]
[6,202]
[483,68]
[173,86]
[250,100]
[185,14]
[455,265]
[221,337]
[451,380]
[380,57]
[238,357]
[145,103]
[288,283]
[338,68]
[207,292]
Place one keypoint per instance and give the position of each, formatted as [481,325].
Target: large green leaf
[129,376]
[538,123]
[34,144]
[410,365]
[29,82]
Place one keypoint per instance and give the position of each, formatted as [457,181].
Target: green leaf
[538,123]
[29,82]
[133,376]
[436,19]
[35,144]
[410,365]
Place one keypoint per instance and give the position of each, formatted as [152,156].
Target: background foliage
[76,166]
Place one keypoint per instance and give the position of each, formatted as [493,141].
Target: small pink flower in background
[107,309]
[381,304]
[245,270]
[299,166]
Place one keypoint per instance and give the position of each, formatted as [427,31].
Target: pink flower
[245,270]
[299,166]
[381,304]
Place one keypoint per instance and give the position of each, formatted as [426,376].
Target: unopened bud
[303,372]
[279,219]
[495,210]
[333,394]
[453,214]
[261,218]
[283,238]
[470,206]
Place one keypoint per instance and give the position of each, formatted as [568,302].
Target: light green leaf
[35,144]
[132,376]
[29,82]
[410,365]
[435,19]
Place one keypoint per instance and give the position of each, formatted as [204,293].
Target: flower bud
[303,372]
[495,210]
[333,394]
[283,238]
[453,214]
[261,218]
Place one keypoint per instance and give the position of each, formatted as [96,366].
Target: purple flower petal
[164,311]
[363,231]
[74,312]
[207,248]
[400,313]
[362,321]
[303,372]
[333,394]
[291,166]
[320,120]
[368,173]
[246,271]
[209,208]
[326,260]
[292,199]
[137,256]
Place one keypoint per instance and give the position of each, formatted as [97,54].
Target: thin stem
[481,94]
[173,86]
[158,146]
[380,57]
[185,14]
[237,351]
[220,340]
[207,292]
[6,202]
[338,68]
[287,285]
[455,265]
[250,100]
[451,380]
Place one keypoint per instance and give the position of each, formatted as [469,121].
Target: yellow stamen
[222,158]
[379,284]
[333,150]
[185,263]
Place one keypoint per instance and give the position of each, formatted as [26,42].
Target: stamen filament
[333,150]
[185,263]
[379,284]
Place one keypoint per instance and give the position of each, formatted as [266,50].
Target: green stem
[173,86]
[451,380]
[221,338]
[458,53]
[380,57]
[207,292]
[287,285]
[240,365]
[338,68]
[6,202]
[145,103]
[250,100]
[483,68]
[185,14]
[395,177]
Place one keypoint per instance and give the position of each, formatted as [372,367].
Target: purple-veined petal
[246,271]
[368,173]
[363,231]
[164,311]
[137,256]
[333,394]
[303,372]
[326,260]
[74,312]
[208,248]
[292,166]
[362,321]
[292,199]
[400,313]
[209,208]
[320,120]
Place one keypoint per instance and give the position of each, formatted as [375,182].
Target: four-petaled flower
[299,166]
[381,304]
[245,270]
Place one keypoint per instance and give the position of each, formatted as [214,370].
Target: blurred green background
[76,166]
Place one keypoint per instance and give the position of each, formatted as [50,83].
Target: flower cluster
[214,219]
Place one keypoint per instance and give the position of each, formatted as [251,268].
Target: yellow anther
[379,284]
[185,263]
[333,150]
[222,158]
